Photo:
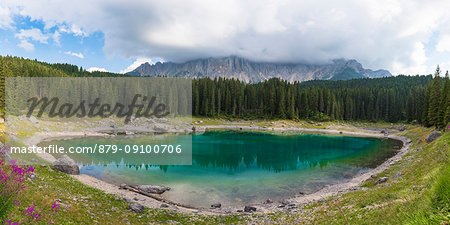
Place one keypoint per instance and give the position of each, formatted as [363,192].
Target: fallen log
[133,189]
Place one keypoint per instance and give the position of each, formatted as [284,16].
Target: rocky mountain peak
[250,71]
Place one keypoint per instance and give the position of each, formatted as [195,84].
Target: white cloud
[5,18]
[444,44]
[73,29]
[92,69]
[56,38]
[417,65]
[79,55]
[32,34]
[135,64]
[26,45]
[378,33]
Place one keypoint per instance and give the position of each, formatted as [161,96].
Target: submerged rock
[153,189]
[433,136]
[66,165]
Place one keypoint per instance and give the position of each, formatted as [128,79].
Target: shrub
[12,179]
[12,186]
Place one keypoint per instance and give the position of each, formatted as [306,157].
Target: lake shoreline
[340,188]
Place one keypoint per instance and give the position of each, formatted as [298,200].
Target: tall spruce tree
[435,99]
[444,106]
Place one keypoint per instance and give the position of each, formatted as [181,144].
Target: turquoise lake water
[239,168]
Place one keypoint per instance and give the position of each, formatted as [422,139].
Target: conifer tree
[444,106]
[435,99]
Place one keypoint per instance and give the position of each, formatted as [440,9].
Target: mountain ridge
[250,71]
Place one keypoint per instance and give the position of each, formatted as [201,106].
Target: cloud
[136,63]
[56,38]
[79,55]
[444,44]
[36,35]
[26,45]
[32,34]
[379,34]
[5,18]
[92,69]
[73,29]
[417,62]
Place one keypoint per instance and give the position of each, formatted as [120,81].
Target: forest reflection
[235,151]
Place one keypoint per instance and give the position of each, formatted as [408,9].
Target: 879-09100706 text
[99,148]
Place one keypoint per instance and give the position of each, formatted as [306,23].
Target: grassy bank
[416,192]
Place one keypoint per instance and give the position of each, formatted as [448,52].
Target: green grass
[87,205]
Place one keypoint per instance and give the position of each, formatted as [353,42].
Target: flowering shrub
[32,215]
[12,178]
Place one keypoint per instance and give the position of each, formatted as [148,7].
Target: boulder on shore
[401,127]
[381,180]
[433,136]
[249,209]
[66,165]
[136,207]
[153,189]
[160,128]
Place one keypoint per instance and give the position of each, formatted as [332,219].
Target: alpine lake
[238,168]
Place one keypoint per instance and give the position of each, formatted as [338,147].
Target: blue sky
[403,36]
[74,48]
